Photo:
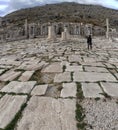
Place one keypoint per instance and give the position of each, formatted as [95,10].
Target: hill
[65,12]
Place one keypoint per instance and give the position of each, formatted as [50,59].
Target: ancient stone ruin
[11,32]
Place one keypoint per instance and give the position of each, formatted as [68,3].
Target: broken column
[65,35]
[51,33]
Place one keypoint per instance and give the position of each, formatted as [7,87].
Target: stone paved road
[44,81]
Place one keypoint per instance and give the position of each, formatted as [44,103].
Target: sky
[7,6]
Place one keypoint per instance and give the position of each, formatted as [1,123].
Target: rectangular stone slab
[91,90]
[9,76]
[110,88]
[96,69]
[39,90]
[53,68]
[75,58]
[74,68]
[45,113]
[93,77]
[19,87]
[69,90]
[62,77]
[9,107]
[26,76]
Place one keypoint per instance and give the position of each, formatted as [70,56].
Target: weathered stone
[48,113]
[96,69]
[39,90]
[19,87]
[26,76]
[9,75]
[32,67]
[1,71]
[69,90]
[9,106]
[91,90]
[74,68]
[93,77]
[62,77]
[110,88]
[75,58]
[94,64]
[53,68]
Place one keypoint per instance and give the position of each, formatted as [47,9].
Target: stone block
[69,90]
[110,88]
[62,77]
[26,76]
[91,90]
[53,68]
[9,107]
[18,87]
[9,75]
[93,77]
[39,90]
[48,114]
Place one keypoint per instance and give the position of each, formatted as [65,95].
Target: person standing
[89,42]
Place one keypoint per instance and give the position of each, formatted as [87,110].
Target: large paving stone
[93,77]
[19,87]
[39,90]
[32,66]
[26,76]
[91,90]
[75,58]
[74,68]
[94,64]
[9,106]
[96,69]
[62,77]
[110,88]
[53,68]
[9,75]
[69,90]
[45,113]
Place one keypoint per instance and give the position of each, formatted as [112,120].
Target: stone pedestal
[51,33]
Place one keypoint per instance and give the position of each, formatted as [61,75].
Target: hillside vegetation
[65,12]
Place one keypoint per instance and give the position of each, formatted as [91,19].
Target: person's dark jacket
[89,40]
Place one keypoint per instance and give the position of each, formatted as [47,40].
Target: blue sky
[7,6]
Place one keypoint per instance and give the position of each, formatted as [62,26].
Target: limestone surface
[91,90]
[96,69]
[69,90]
[26,76]
[53,68]
[39,90]
[93,77]
[19,87]
[48,113]
[74,68]
[9,76]
[62,77]
[110,88]
[9,106]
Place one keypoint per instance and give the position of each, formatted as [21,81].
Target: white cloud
[7,6]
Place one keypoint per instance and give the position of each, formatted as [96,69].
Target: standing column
[65,35]
[26,28]
[107,24]
[51,33]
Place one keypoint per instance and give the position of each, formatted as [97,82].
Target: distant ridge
[65,12]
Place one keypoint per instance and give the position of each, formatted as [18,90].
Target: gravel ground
[102,114]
